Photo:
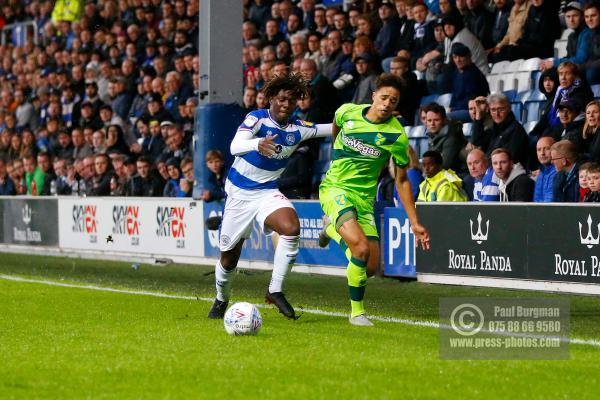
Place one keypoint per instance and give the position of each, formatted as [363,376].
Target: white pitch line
[427,324]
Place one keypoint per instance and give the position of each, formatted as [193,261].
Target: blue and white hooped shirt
[251,173]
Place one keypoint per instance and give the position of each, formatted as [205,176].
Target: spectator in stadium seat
[514,183]
[7,186]
[541,28]
[321,22]
[446,138]
[366,79]
[115,140]
[485,185]
[61,184]
[187,184]
[580,39]
[307,111]
[176,146]
[571,123]
[172,188]
[456,32]
[480,21]
[468,82]
[548,85]
[387,37]
[500,18]
[259,12]
[565,160]
[215,190]
[591,137]
[331,68]
[296,180]
[120,101]
[102,176]
[326,96]
[439,184]
[80,148]
[506,131]
[145,183]
[121,176]
[516,22]
[593,178]
[63,148]
[571,87]
[592,67]
[411,95]
[89,117]
[544,178]
[99,141]
[34,177]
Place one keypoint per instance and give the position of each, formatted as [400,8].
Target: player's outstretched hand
[421,235]
[267,146]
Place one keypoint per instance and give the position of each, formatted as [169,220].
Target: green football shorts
[337,202]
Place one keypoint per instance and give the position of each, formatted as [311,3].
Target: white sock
[285,257]
[223,279]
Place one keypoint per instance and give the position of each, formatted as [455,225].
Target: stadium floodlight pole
[220,49]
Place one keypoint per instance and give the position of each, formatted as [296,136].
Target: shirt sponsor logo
[250,121]
[359,146]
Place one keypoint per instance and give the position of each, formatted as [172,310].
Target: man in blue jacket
[566,182]
[544,183]
[469,82]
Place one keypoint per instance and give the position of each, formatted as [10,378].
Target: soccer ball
[242,319]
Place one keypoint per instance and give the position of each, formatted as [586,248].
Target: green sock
[357,281]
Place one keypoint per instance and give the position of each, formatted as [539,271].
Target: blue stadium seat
[417,131]
[325,149]
[596,90]
[533,105]
[511,94]
[467,129]
[428,99]
[444,100]
[535,77]
[529,126]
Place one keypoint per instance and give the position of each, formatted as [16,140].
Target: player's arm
[408,202]
[245,142]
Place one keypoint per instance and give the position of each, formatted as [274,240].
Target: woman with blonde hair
[591,137]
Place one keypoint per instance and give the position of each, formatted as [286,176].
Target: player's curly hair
[389,80]
[293,82]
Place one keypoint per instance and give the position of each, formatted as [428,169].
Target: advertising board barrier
[518,243]
[132,225]
[398,244]
[260,247]
[29,221]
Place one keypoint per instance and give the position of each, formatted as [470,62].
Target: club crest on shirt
[340,199]
[250,121]
[290,139]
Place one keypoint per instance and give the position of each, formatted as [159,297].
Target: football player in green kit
[365,136]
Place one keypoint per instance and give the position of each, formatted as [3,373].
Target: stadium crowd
[102,101]
[103,104]
[441,47]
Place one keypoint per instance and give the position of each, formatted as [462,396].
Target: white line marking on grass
[427,324]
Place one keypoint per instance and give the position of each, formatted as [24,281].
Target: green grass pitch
[73,343]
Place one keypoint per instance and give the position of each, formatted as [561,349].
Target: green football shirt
[362,148]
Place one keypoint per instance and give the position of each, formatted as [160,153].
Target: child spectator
[593,180]
[215,162]
[584,188]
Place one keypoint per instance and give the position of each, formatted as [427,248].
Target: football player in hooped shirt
[261,146]
[365,136]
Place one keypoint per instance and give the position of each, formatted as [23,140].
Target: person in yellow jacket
[67,10]
[439,184]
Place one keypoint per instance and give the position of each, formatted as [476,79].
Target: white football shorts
[239,216]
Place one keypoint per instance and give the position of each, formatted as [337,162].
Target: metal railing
[19,33]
